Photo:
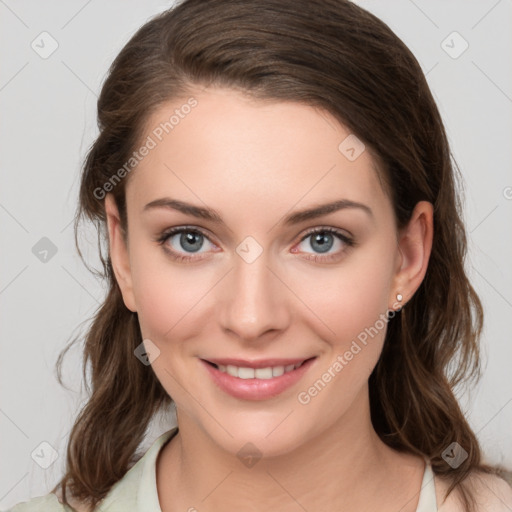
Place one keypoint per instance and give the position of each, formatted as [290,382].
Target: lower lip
[256,389]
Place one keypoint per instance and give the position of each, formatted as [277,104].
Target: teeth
[245,373]
[262,373]
[232,370]
[258,373]
[277,371]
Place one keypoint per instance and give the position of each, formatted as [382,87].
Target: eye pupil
[320,239]
[189,238]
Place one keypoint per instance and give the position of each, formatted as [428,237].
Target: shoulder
[489,491]
[48,503]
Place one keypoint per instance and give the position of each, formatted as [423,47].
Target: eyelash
[163,237]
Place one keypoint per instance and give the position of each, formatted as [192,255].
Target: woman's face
[249,285]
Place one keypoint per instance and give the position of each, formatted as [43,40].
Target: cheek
[351,298]
[168,296]
[354,307]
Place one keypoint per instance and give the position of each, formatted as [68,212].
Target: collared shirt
[137,490]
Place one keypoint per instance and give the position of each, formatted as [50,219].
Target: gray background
[48,122]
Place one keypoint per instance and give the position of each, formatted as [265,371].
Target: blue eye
[323,239]
[191,240]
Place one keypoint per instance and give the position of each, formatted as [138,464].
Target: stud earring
[399,297]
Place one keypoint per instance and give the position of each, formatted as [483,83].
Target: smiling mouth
[265,373]
[265,379]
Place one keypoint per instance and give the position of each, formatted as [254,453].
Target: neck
[331,471]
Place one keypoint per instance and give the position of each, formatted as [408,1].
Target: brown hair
[336,56]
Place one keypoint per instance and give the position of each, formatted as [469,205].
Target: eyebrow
[294,218]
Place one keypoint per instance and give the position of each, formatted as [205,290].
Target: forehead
[223,148]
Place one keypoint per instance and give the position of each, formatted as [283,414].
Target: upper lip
[261,363]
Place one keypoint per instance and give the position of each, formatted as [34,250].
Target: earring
[399,297]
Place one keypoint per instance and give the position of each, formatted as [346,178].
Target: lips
[252,380]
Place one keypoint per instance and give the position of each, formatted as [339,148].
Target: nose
[254,302]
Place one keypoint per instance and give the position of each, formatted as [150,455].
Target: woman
[285,266]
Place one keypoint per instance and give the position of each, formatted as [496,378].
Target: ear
[414,245]
[119,254]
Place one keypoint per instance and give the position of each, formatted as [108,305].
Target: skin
[255,162]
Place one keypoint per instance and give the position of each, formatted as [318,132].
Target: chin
[267,437]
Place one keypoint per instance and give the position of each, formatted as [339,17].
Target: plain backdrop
[48,121]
